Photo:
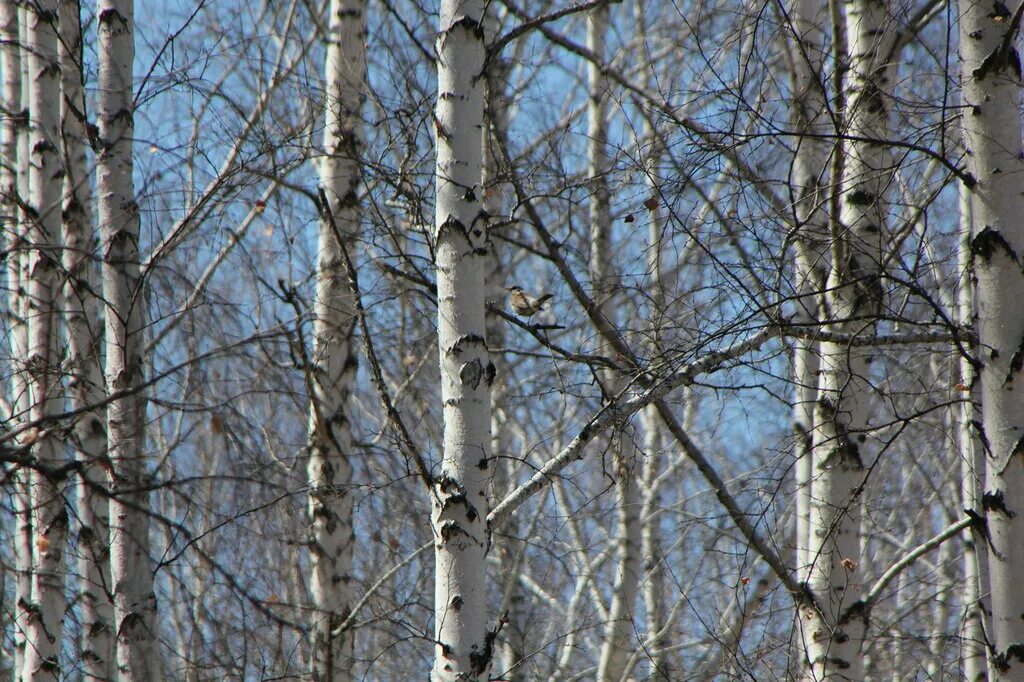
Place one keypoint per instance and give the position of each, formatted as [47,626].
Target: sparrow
[523,303]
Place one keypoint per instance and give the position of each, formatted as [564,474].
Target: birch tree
[843,413]
[459,490]
[131,574]
[810,238]
[50,517]
[511,647]
[620,629]
[334,360]
[992,135]
[681,288]
[13,177]
[85,383]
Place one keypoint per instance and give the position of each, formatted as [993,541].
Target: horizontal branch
[814,333]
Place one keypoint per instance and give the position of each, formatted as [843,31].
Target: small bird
[523,303]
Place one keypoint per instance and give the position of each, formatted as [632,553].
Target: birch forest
[485,340]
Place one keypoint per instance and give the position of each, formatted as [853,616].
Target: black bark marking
[861,197]
[1000,12]
[456,348]
[473,26]
[470,374]
[994,502]
[979,524]
[480,660]
[987,241]
[999,60]
[1018,448]
[1003,660]
[108,16]
[1016,363]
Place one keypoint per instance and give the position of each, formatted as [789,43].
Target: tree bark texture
[334,361]
[810,247]
[992,134]
[619,634]
[852,299]
[118,215]
[463,648]
[49,514]
[84,335]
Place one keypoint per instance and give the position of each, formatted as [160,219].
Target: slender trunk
[509,548]
[992,135]
[118,215]
[459,492]
[13,172]
[650,550]
[84,336]
[810,238]
[50,518]
[334,362]
[659,637]
[940,614]
[653,568]
[974,656]
[619,637]
[843,412]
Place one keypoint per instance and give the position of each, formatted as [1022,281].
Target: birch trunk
[650,544]
[974,656]
[459,492]
[658,635]
[842,416]
[810,237]
[334,362]
[659,638]
[509,548]
[619,632]
[50,518]
[13,173]
[86,381]
[118,215]
[992,135]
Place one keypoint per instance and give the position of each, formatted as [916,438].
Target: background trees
[696,186]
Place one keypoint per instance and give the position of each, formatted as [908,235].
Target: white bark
[974,656]
[992,135]
[50,518]
[810,236]
[658,635]
[118,215]
[510,662]
[86,381]
[844,402]
[13,174]
[619,635]
[463,647]
[334,360]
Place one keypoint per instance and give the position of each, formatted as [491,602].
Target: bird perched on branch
[523,303]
